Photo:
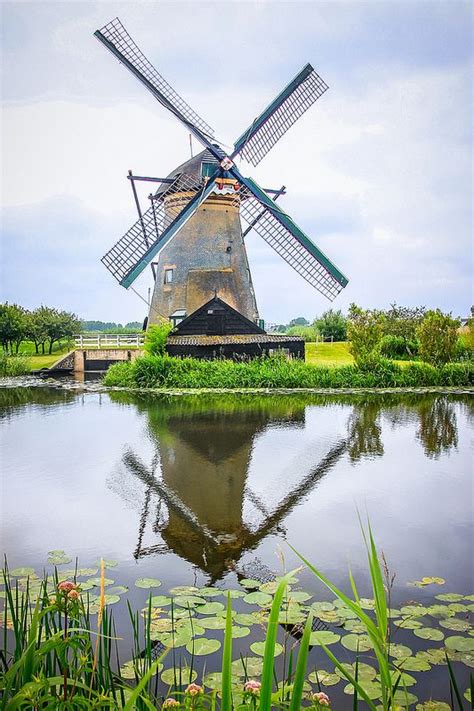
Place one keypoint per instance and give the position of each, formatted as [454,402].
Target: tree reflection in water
[196,488]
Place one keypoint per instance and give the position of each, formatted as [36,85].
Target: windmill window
[168,276]
[208,168]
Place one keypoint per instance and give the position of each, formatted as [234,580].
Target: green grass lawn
[331,354]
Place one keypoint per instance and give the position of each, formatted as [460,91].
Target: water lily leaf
[117,590]
[245,618]
[433,706]
[354,626]
[107,563]
[371,688]
[58,558]
[259,648]
[234,593]
[179,639]
[367,603]
[86,572]
[333,617]
[429,633]
[190,601]
[468,695]
[365,671]
[320,606]
[184,675]
[356,642]
[434,655]
[458,607]
[86,585]
[238,631]
[22,572]
[96,581]
[213,623]
[213,680]
[468,597]
[460,644]
[406,680]
[467,658]
[414,610]
[211,592]
[407,623]
[250,583]
[248,666]
[127,670]
[111,599]
[269,587]
[203,645]
[258,598]
[449,597]
[298,596]
[147,583]
[210,608]
[324,677]
[184,590]
[323,637]
[415,663]
[427,581]
[404,697]
[291,616]
[160,600]
[440,611]
[400,651]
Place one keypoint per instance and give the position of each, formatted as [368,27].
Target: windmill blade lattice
[147,231]
[116,35]
[280,115]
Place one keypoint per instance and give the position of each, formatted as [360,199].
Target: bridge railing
[109,340]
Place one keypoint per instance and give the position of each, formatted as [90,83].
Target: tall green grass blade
[301,664]
[137,691]
[357,686]
[269,650]
[454,684]
[226,704]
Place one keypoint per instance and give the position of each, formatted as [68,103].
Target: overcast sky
[379,171]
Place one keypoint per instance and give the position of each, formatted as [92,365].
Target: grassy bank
[166,372]
[328,354]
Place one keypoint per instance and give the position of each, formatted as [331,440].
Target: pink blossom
[253,687]
[170,703]
[66,586]
[194,690]
[73,595]
[321,698]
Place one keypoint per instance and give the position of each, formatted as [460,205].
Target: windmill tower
[193,223]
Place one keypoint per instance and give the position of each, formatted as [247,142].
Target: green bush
[277,372]
[398,347]
[155,338]
[309,333]
[438,336]
[364,331]
[11,366]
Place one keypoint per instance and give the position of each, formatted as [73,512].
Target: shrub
[398,347]
[155,338]
[12,366]
[121,374]
[364,331]
[309,333]
[332,324]
[438,335]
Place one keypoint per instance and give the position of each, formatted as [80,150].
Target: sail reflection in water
[199,499]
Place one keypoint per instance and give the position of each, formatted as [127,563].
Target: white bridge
[109,340]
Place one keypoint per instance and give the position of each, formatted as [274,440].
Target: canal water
[201,490]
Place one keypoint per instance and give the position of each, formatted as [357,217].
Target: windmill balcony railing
[109,340]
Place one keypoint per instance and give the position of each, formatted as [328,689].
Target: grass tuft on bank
[276,372]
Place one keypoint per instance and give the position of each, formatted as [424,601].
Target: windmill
[191,234]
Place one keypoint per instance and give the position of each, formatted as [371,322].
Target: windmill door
[216,323]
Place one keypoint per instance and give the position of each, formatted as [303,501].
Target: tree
[402,322]
[58,325]
[332,324]
[438,336]
[13,326]
[309,333]
[35,328]
[300,321]
[364,331]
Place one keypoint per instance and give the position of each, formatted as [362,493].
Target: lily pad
[250,583]
[427,581]
[58,558]
[213,623]
[179,639]
[117,590]
[458,607]
[111,599]
[213,680]
[248,666]
[321,605]
[365,672]
[415,664]
[414,610]
[433,706]
[404,697]
[434,655]
[354,626]
[259,648]
[298,596]
[160,601]
[210,608]
[269,587]
[189,601]
[258,598]
[333,617]
[429,633]
[86,572]
[203,645]
[324,677]
[325,637]
[238,631]
[460,644]
[356,642]
[407,623]
[185,675]
[147,583]
[96,582]
[367,603]
[245,618]
[107,563]
[184,590]
[449,597]
[371,688]
[22,572]
[234,593]
[439,611]
[400,651]
[211,592]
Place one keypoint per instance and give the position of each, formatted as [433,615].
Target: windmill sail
[280,115]
[289,241]
[116,38]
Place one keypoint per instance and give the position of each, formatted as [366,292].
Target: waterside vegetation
[61,651]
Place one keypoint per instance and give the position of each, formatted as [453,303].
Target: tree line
[43,326]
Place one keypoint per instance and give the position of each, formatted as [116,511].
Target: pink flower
[321,698]
[170,703]
[66,586]
[73,595]
[253,687]
[194,690]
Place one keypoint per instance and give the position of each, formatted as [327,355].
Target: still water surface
[192,489]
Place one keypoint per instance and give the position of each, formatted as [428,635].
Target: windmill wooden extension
[191,234]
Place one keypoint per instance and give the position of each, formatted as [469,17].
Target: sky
[379,171]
